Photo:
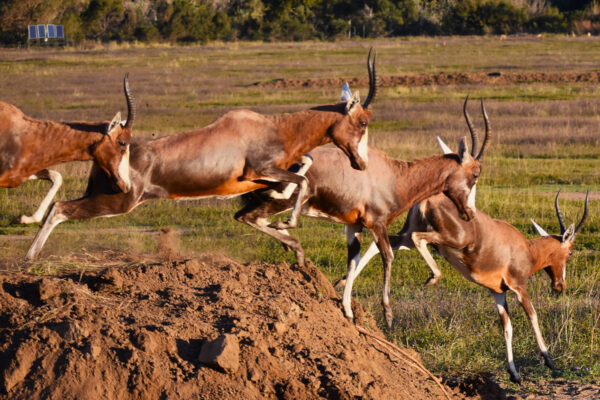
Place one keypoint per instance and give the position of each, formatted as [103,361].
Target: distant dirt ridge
[442,79]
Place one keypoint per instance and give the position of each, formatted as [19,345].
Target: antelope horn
[561,220]
[585,210]
[486,120]
[474,137]
[130,103]
[373,79]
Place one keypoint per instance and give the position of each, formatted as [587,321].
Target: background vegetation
[290,20]
[545,137]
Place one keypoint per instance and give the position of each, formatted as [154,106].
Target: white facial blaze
[471,198]
[363,146]
[124,168]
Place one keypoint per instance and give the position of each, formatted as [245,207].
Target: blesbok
[28,146]
[491,253]
[370,198]
[239,152]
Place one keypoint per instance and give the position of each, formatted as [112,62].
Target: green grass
[544,138]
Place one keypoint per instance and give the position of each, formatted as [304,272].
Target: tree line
[291,20]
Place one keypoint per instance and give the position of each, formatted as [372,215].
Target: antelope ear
[116,121]
[463,151]
[569,234]
[346,93]
[540,231]
[445,148]
[353,103]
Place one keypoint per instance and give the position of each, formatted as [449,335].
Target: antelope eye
[570,253]
[122,143]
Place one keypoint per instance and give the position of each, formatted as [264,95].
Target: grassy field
[545,137]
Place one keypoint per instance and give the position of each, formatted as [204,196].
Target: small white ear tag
[346,93]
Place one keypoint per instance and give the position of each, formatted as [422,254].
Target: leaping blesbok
[239,152]
[491,253]
[370,198]
[28,146]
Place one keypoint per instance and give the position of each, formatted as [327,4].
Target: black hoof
[514,378]
[548,361]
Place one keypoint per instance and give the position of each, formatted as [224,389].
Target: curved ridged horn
[585,210]
[373,79]
[130,103]
[486,120]
[561,220]
[474,136]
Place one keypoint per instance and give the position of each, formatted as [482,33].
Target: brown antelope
[491,253]
[486,251]
[28,146]
[239,152]
[370,198]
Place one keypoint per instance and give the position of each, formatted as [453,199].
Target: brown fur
[239,152]
[370,198]
[491,253]
[28,146]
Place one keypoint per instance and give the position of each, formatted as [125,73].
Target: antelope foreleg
[281,175]
[421,239]
[103,205]
[500,299]
[525,301]
[398,242]
[353,239]
[38,215]
[54,218]
[305,162]
[383,244]
[255,215]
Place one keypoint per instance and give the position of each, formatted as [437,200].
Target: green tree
[101,19]
[190,21]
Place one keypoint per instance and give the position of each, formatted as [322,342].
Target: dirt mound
[443,79]
[206,328]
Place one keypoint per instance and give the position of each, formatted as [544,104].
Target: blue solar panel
[41,31]
[32,32]
[60,31]
[51,31]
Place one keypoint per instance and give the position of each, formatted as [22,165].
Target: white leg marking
[371,252]
[298,205]
[421,246]
[306,162]
[40,238]
[37,216]
[363,146]
[538,333]
[351,235]
[500,300]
